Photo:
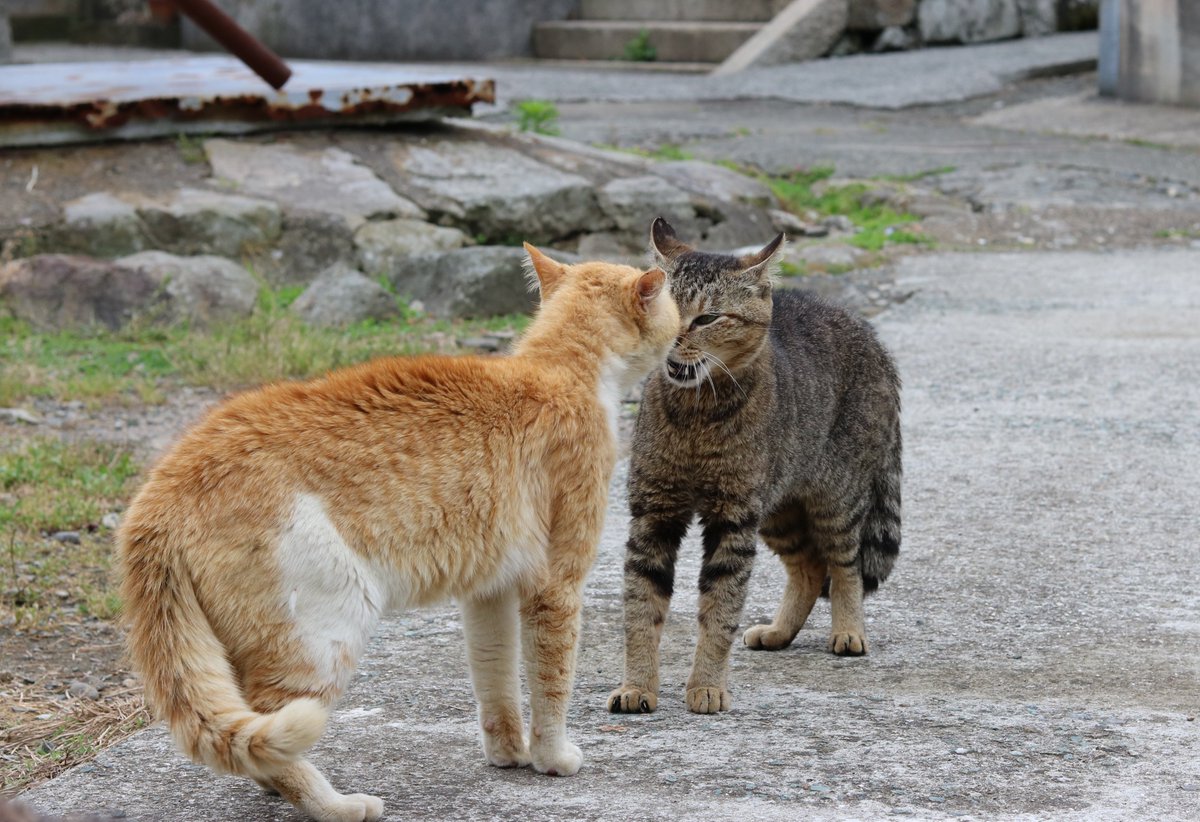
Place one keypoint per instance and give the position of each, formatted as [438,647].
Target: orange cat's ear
[543,271]
[650,285]
[663,242]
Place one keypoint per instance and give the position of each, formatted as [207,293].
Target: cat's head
[628,312]
[724,305]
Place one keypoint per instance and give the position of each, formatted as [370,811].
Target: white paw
[564,760]
[503,754]
[354,807]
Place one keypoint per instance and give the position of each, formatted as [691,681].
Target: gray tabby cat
[774,415]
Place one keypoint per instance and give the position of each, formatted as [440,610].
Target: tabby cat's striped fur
[775,416]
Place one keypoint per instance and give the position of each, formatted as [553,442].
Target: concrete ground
[1035,655]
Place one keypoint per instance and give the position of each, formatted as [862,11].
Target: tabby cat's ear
[542,271]
[762,265]
[650,285]
[664,244]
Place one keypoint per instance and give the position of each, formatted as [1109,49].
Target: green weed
[640,49]
[538,116]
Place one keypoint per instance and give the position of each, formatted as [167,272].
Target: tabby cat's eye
[705,319]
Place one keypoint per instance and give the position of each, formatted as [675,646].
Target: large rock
[632,203]
[101,225]
[385,247]
[197,221]
[200,290]
[968,21]
[311,242]
[874,15]
[342,296]
[496,191]
[1038,17]
[803,30]
[715,183]
[327,181]
[60,291]
[483,281]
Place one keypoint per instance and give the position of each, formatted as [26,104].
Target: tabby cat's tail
[188,680]
[881,530]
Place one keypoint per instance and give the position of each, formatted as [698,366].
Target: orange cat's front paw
[630,700]
[506,753]
[708,700]
[564,759]
[848,644]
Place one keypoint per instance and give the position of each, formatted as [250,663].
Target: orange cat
[266,546]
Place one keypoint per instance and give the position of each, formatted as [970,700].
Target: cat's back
[808,331]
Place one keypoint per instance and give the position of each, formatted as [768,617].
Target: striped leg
[729,546]
[787,533]
[841,549]
[649,581]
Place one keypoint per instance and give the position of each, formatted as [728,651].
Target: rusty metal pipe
[239,42]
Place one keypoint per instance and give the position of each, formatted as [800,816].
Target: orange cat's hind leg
[491,628]
[305,787]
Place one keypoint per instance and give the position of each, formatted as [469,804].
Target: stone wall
[390,29]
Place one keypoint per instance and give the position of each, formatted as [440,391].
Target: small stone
[82,690]
[480,344]
[69,537]
[1190,786]
[960,750]
[19,415]
[111,521]
[838,222]
[818,787]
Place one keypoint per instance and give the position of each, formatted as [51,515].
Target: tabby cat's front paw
[563,760]
[848,644]
[766,638]
[630,700]
[708,700]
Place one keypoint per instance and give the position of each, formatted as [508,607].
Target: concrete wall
[1150,50]
[391,29]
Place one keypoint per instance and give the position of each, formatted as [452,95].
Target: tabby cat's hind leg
[806,574]
[305,787]
[849,635]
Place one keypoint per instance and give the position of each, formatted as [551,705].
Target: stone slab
[1033,656]
[1087,115]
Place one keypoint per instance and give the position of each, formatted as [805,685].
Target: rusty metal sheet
[51,103]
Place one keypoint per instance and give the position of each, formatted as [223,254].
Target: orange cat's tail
[189,682]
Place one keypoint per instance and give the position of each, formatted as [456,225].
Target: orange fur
[264,546]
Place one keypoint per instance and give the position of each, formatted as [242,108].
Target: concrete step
[673,42]
[745,11]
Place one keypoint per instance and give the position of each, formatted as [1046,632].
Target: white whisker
[729,373]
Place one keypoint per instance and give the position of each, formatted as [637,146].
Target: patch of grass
[191,149]
[538,116]
[640,49]
[919,175]
[877,225]
[1177,234]
[788,268]
[49,485]
[666,151]
[139,365]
